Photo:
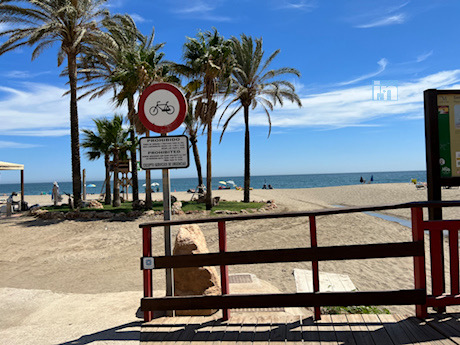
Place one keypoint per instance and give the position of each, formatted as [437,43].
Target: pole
[434,174]
[22,189]
[167,230]
[148,187]
[84,184]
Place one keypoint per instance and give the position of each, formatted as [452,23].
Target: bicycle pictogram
[164,107]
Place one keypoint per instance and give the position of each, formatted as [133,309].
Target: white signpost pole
[167,230]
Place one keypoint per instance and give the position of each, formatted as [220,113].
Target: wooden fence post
[419,261]
[147,251]
[315,273]
[224,269]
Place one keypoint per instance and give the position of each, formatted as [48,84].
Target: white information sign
[165,152]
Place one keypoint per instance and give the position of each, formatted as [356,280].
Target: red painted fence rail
[418,296]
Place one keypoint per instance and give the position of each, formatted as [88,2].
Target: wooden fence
[415,248]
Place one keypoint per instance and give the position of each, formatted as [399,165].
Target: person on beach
[361,180]
[55,195]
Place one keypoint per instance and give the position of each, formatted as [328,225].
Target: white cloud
[203,9]
[424,56]
[23,74]
[40,109]
[389,20]
[352,107]
[382,63]
[15,145]
[137,18]
[305,5]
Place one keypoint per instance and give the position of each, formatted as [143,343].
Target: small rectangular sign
[147,263]
[165,152]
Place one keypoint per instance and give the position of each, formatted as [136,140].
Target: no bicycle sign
[162,108]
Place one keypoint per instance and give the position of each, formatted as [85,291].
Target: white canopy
[11,166]
[14,166]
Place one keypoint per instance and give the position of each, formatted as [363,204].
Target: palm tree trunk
[247,158]
[134,177]
[196,155]
[116,184]
[108,192]
[208,169]
[74,131]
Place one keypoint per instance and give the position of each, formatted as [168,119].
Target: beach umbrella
[231,182]
[222,182]
[91,185]
[144,185]
[155,184]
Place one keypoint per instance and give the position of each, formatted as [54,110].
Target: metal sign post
[162,109]
[167,230]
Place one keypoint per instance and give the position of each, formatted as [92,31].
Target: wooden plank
[247,330]
[294,331]
[446,325]
[278,330]
[359,329]
[177,326]
[454,261]
[310,334]
[262,333]
[421,332]
[376,329]
[394,329]
[439,225]
[399,297]
[193,324]
[326,330]
[232,331]
[154,331]
[443,300]
[437,265]
[353,252]
[342,329]
[217,332]
[320,212]
[203,332]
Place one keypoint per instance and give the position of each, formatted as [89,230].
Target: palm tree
[41,23]
[97,68]
[208,59]
[97,145]
[192,125]
[117,136]
[126,63]
[253,85]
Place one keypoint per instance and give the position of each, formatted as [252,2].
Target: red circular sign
[162,108]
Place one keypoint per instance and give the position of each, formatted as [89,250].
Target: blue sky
[340,48]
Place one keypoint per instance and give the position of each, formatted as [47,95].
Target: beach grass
[158,206]
[223,205]
[124,207]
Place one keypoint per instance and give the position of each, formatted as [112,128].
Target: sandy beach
[64,281]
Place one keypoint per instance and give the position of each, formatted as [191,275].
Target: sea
[257,182]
